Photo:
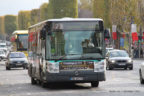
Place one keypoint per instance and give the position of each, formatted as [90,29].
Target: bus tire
[33,81]
[95,84]
[43,83]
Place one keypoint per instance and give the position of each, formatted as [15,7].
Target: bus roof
[68,19]
[76,19]
[20,32]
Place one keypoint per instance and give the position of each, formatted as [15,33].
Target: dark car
[15,60]
[118,59]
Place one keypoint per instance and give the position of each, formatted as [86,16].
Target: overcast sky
[14,6]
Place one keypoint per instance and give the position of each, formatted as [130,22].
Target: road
[119,82]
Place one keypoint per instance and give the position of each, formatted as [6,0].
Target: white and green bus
[67,50]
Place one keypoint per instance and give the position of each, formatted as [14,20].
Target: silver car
[118,59]
[15,60]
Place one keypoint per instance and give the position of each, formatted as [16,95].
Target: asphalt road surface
[119,82]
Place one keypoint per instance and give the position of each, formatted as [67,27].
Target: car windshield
[17,55]
[119,54]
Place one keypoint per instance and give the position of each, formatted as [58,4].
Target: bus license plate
[76,78]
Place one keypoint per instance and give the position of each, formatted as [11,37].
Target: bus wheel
[43,83]
[95,84]
[33,81]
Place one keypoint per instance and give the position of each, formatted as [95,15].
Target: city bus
[19,41]
[67,50]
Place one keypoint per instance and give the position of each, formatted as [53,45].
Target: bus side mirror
[43,34]
[106,33]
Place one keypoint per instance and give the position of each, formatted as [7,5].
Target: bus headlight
[99,66]
[53,67]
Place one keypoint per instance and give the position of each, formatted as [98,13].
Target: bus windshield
[75,42]
[22,42]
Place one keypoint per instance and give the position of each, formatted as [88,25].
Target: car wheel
[33,81]
[110,68]
[95,84]
[131,68]
[141,79]
[125,68]
[7,68]
[24,67]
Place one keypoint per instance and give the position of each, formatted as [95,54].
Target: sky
[14,6]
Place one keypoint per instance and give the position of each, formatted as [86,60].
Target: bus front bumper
[97,76]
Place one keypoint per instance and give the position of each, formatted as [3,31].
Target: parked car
[141,73]
[15,60]
[3,55]
[118,59]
